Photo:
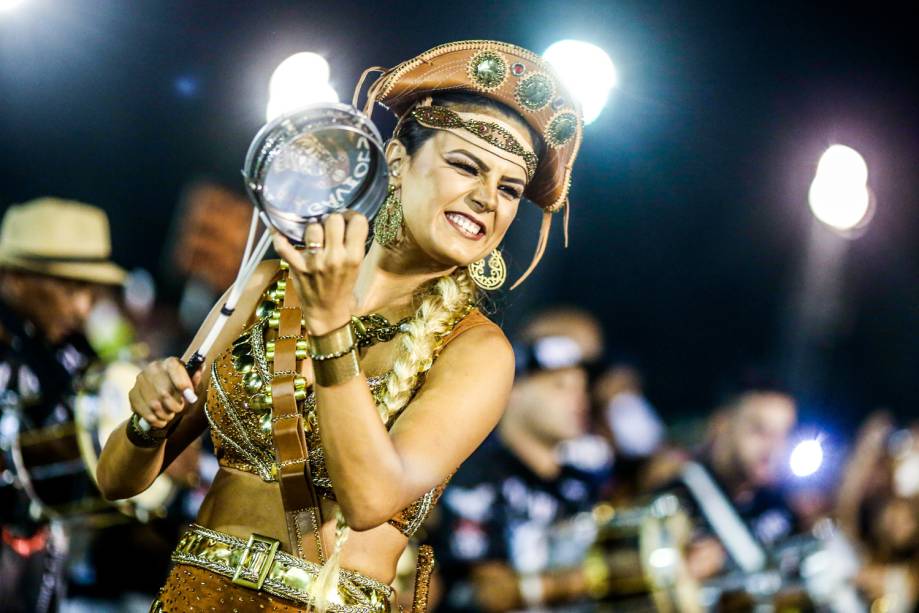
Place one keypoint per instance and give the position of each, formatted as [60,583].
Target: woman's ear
[396,158]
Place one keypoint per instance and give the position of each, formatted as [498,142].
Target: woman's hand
[324,273]
[163,390]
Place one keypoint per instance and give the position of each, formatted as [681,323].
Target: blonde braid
[441,306]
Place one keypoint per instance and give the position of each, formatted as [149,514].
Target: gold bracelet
[335,371]
[332,345]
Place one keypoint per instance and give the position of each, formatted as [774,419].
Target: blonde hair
[441,306]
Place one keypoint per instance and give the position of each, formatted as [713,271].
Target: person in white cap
[54,257]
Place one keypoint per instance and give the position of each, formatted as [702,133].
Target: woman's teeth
[466,225]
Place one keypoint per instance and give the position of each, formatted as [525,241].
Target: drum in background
[56,465]
[637,562]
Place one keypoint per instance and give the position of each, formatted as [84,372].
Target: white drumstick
[251,258]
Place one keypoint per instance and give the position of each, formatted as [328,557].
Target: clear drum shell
[322,159]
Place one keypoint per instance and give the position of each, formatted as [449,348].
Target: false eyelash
[464,166]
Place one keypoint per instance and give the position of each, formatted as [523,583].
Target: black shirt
[497,509]
[764,511]
[37,386]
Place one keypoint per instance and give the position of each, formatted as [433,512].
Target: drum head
[101,409]
[320,160]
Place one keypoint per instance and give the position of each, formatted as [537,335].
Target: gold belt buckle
[255,562]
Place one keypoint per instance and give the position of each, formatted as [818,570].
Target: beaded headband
[493,133]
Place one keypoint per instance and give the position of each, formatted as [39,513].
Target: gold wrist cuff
[332,345]
[334,371]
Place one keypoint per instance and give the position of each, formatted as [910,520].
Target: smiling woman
[356,387]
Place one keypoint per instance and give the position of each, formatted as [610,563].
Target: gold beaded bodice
[238,409]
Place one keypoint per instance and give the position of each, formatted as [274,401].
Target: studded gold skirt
[218,572]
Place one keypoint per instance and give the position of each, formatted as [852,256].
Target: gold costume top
[238,407]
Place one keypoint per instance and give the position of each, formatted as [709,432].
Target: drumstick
[724,520]
[251,259]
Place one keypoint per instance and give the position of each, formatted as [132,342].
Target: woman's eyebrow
[484,167]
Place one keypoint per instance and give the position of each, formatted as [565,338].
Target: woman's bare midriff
[240,503]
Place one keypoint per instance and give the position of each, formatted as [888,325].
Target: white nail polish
[190,396]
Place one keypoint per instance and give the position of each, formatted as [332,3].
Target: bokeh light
[9,5]
[839,195]
[586,71]
[806,458]
[300,80]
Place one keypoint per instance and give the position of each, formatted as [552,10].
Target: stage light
[301,79]
[843,164]
[586,71]
[806,458]
[9,5]
[839,195]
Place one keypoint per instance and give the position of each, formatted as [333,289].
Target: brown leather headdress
[515,76]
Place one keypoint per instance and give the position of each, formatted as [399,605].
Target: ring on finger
[313,247]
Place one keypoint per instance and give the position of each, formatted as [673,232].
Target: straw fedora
[61,238]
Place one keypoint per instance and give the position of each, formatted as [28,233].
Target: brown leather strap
[301,504]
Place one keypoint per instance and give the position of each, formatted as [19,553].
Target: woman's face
[458,199]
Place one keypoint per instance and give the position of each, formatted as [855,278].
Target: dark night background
[689,207]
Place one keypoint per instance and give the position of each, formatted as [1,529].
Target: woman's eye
[513,192]
[468,168]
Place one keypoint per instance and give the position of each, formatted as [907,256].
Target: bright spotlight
[9,5]
[806,458]
[843,164]
[301,79]
[839,195]
[586,71]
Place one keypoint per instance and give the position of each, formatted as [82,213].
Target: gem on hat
[517,69]
[488,69]
[561,129]
[558,103]
[535,91]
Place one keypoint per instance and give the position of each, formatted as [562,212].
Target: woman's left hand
[325,271]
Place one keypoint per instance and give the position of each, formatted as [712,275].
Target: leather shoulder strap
[301,504]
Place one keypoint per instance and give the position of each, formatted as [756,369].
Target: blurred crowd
[583,499]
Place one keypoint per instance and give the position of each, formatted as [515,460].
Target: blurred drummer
[748,443]
[53,261]
[495,541]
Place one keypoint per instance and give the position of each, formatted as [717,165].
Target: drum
[636,562]
[56,465]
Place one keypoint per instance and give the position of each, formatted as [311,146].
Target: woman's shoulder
[263,274]
[478,331]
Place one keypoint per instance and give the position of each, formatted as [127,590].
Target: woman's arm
[124,469]
[860,471]
[378,473]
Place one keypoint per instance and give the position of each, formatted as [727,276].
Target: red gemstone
[518,69]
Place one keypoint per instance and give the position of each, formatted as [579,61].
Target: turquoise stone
[535,91]
[562,129]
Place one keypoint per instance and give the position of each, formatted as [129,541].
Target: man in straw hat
[53,259]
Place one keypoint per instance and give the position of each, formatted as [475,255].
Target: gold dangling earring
[497,271]
[388,222]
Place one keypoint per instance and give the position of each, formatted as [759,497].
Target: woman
[375,415]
